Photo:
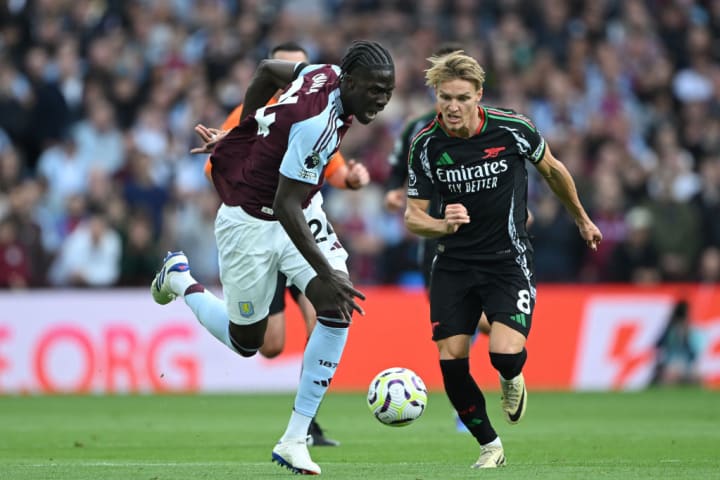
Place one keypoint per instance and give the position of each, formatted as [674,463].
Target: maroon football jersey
[295,136]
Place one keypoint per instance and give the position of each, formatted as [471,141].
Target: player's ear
[479,94]
[347,79]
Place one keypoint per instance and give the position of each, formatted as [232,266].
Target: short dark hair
[448,48]
[288,47]
[366,54]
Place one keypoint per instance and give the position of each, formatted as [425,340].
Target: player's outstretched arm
[209,136]
[270,76]
[563,186]
[335,290]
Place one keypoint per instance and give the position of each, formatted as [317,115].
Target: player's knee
[324,307]
[246,339]
[509,365]
[271,348]
[505,339]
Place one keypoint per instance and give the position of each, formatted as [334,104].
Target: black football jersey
[486,173]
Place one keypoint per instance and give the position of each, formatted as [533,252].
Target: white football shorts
[251,251]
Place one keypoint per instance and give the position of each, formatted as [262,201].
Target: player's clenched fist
[455,215]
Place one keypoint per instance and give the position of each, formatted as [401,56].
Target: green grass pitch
[652,434]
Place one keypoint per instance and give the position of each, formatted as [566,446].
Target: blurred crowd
[98,99]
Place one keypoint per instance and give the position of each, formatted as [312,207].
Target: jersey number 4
[264,118]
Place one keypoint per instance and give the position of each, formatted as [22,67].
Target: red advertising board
[582,338]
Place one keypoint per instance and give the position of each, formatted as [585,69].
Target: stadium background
[97,104]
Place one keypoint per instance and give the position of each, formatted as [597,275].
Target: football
[397,396]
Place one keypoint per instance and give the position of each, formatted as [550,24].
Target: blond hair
[453,66]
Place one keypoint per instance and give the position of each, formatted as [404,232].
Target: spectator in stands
[675,231]
[90,256]
[23,200]
[64,173]
[142,191]
[11,169]
[555,241]
[707,200]
[608,212]
[709,269]
[139,251]
[599,78]
[14,263]
[48,112]
[636,259]
[190,229]
[99,141]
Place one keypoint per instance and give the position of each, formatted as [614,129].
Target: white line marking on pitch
[143,464]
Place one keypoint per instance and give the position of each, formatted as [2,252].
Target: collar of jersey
[337,102]
[481,125]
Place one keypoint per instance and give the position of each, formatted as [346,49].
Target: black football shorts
[461,291]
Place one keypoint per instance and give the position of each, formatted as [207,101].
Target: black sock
[467,399]
[508,364]
[245,352]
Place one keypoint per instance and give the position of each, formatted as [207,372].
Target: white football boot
[514,398]
[490,457]
[294,455]
[174,263]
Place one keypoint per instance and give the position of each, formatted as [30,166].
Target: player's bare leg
[174,280]
[274,341]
